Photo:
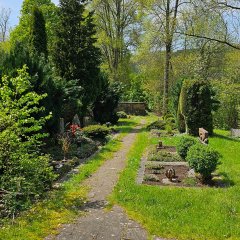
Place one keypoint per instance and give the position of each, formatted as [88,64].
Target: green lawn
[184,213]
[62,206]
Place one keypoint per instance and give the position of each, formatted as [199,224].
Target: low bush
[151,177]
[86,150]
[152,165]
[163,156]
[96,131]
[184,144]
[104,108]
[159,124]
[203,159]
[122,114]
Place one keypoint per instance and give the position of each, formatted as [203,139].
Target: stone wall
[133,108]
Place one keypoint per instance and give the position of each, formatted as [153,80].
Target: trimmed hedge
[122,114]
[96,131]
[195,106]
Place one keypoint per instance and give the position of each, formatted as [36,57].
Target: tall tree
[114,19]
[76,57]
[225,12]
[164,15]
[4,23]
[38,35]
[21,33]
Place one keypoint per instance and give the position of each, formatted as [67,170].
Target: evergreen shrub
[184,144]
[96,131]
[203,159]
[196,104]
[122,114]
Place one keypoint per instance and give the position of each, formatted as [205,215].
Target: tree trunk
[166,77]
[167,58]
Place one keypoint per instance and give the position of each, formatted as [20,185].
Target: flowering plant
[74,128]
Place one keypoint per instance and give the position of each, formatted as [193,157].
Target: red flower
[74,128]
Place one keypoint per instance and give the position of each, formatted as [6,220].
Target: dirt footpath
[98,223]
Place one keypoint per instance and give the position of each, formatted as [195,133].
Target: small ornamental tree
[24,171]
[196,103]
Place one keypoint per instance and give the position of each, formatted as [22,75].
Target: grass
[62,206]
[184,213]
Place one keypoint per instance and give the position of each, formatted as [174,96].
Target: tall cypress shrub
[38,35]
[196,105]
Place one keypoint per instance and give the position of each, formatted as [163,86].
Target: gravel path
[98,223]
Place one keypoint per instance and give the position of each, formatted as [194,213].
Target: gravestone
[61,126]
[88,121]
[76,120]
[203,135]
[235,132]
[160,145]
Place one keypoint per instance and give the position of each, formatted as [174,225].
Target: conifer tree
[38,35]
[76,57]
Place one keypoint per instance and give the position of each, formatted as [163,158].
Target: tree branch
[211,39]
[228,5]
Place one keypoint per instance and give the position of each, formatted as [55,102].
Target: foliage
[203,160]
[113,37]
[134,91]
[42,81]
[75,55]
[104,109]
[163,156]
[228,114]
[65,141]
[96,131]
[159,124]
[174,105]
[38,35]
[167,124]
[86,150]
[151,177]
[21,33]
[61,205]
[184,144]
[24,172]
[196,104]
[122,114]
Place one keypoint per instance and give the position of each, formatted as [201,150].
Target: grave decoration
[203,135]
[170,174]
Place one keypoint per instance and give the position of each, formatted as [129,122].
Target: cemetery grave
[164,167]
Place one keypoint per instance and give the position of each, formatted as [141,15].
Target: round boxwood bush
[96,131]
[184,144]
[122,114]
[203,159]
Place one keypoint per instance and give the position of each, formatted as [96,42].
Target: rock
[191,173]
